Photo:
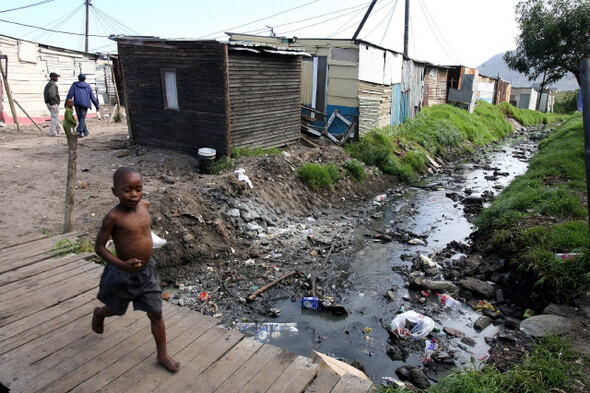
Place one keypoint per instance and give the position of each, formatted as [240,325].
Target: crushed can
[311,302]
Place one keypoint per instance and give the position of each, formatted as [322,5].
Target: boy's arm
[69,115]
[70,92]
[131,265]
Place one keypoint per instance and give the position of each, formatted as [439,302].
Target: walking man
[51,96]
[83,95]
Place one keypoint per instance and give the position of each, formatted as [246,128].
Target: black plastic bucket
[206,159]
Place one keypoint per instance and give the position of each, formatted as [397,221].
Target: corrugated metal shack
[184,95]
[462,82]
[502,91]
[29,65]
[435,85]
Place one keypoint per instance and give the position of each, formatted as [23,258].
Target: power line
[425,11]
[27,6]
[51,30]
[390,18]
[261,19]
[348,23]
[382,20]
[55,24]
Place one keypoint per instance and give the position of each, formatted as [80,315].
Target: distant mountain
[496,65]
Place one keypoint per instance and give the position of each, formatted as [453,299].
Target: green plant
[223,164]
[65,246]
[566,102]
[356,169]
[319,176]
[255,151]
[117,117]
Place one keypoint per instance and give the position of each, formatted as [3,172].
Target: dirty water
[370,271]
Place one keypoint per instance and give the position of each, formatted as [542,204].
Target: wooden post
[9,95]
[71,182]
[30,118]
[117,102]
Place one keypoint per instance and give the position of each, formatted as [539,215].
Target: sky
[466,32]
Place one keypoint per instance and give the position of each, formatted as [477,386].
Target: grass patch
[441,130]
[566,102]
[544,212]
[254,151]
[552,365]
[65,246]
[528,117]
[223,164]
[319,176]
[355,169]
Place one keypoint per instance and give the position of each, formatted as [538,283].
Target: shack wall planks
[201,120]
[265,98]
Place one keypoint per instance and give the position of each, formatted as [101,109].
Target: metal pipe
[406,28]
[357,32]
[585,89]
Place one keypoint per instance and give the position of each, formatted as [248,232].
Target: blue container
[311,302]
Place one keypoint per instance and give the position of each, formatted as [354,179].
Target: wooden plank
[249,370]
[129,343]
[297,376]
[16,309]
[30,328]
[47,242]
[62,274]
[83,350]
[324,382]
[77,266]
[31,270]
[28,238]
[34,256]
[161,377]
[269,373]
[131,378]
[351,384]
[138,355]
[222,369]
[200,363]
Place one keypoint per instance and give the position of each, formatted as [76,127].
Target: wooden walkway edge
[47,345]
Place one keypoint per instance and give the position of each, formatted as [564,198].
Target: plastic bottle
[429,348]
[448,301]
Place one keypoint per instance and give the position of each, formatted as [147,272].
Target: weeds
[356,169]
[223,164]
[255,151]
[65,246]
[566,102]
[117,117]
[319,176]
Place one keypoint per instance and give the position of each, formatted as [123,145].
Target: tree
[554,37]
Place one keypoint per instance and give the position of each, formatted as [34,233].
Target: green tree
[554,38]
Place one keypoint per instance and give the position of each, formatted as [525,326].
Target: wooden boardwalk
[46,344]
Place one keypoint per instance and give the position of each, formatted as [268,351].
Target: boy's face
[129,189]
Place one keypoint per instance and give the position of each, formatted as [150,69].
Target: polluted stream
[429,210]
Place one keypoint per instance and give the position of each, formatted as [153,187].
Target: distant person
[69,120]
[51,96]
[132,274]
[83,95]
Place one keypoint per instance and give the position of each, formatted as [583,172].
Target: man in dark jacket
[82,93]
[51,96]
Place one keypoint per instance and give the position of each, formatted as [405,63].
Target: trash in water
[430,346]
[311,302]
[411,324]
[391,381]
[380,197]
[262,332]
[484,305]
[528,313]
[448,301]
[429,262]
[204,296]
[425,294]
[417,241]
[367,330]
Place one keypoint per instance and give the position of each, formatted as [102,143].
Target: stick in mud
[270,285]
[328,256]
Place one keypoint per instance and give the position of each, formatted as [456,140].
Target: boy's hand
[132,265]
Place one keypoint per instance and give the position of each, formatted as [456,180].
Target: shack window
[170,91]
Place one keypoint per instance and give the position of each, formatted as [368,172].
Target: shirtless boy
[132,274]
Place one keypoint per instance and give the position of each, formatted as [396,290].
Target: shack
[28,64]
[187,94]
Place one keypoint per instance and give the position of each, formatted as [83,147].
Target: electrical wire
[114,22]
[425,11]
[55,24]
[388,22]
[259,20]
[382,20]
[27,6]
[348,23]
[51,30]
[324,21]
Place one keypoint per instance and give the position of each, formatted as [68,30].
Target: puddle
[426,211]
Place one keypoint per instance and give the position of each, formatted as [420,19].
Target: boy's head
[128,186]
[69,103]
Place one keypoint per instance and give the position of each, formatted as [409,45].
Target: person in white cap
[51,96]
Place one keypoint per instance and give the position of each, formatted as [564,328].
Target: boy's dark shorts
[118,288]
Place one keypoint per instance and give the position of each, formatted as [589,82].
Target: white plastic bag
[242,176]
[158,241]
[419,325]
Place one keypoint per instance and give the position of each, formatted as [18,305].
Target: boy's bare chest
[133,223]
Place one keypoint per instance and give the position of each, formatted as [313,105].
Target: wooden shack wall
[265,98]
[202,84]
[374,106]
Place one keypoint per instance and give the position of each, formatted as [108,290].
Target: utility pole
[87,13]
[406,28]
[585,90]
[357,32]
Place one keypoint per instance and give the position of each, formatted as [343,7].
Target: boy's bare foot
[97,322]
[171,364]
